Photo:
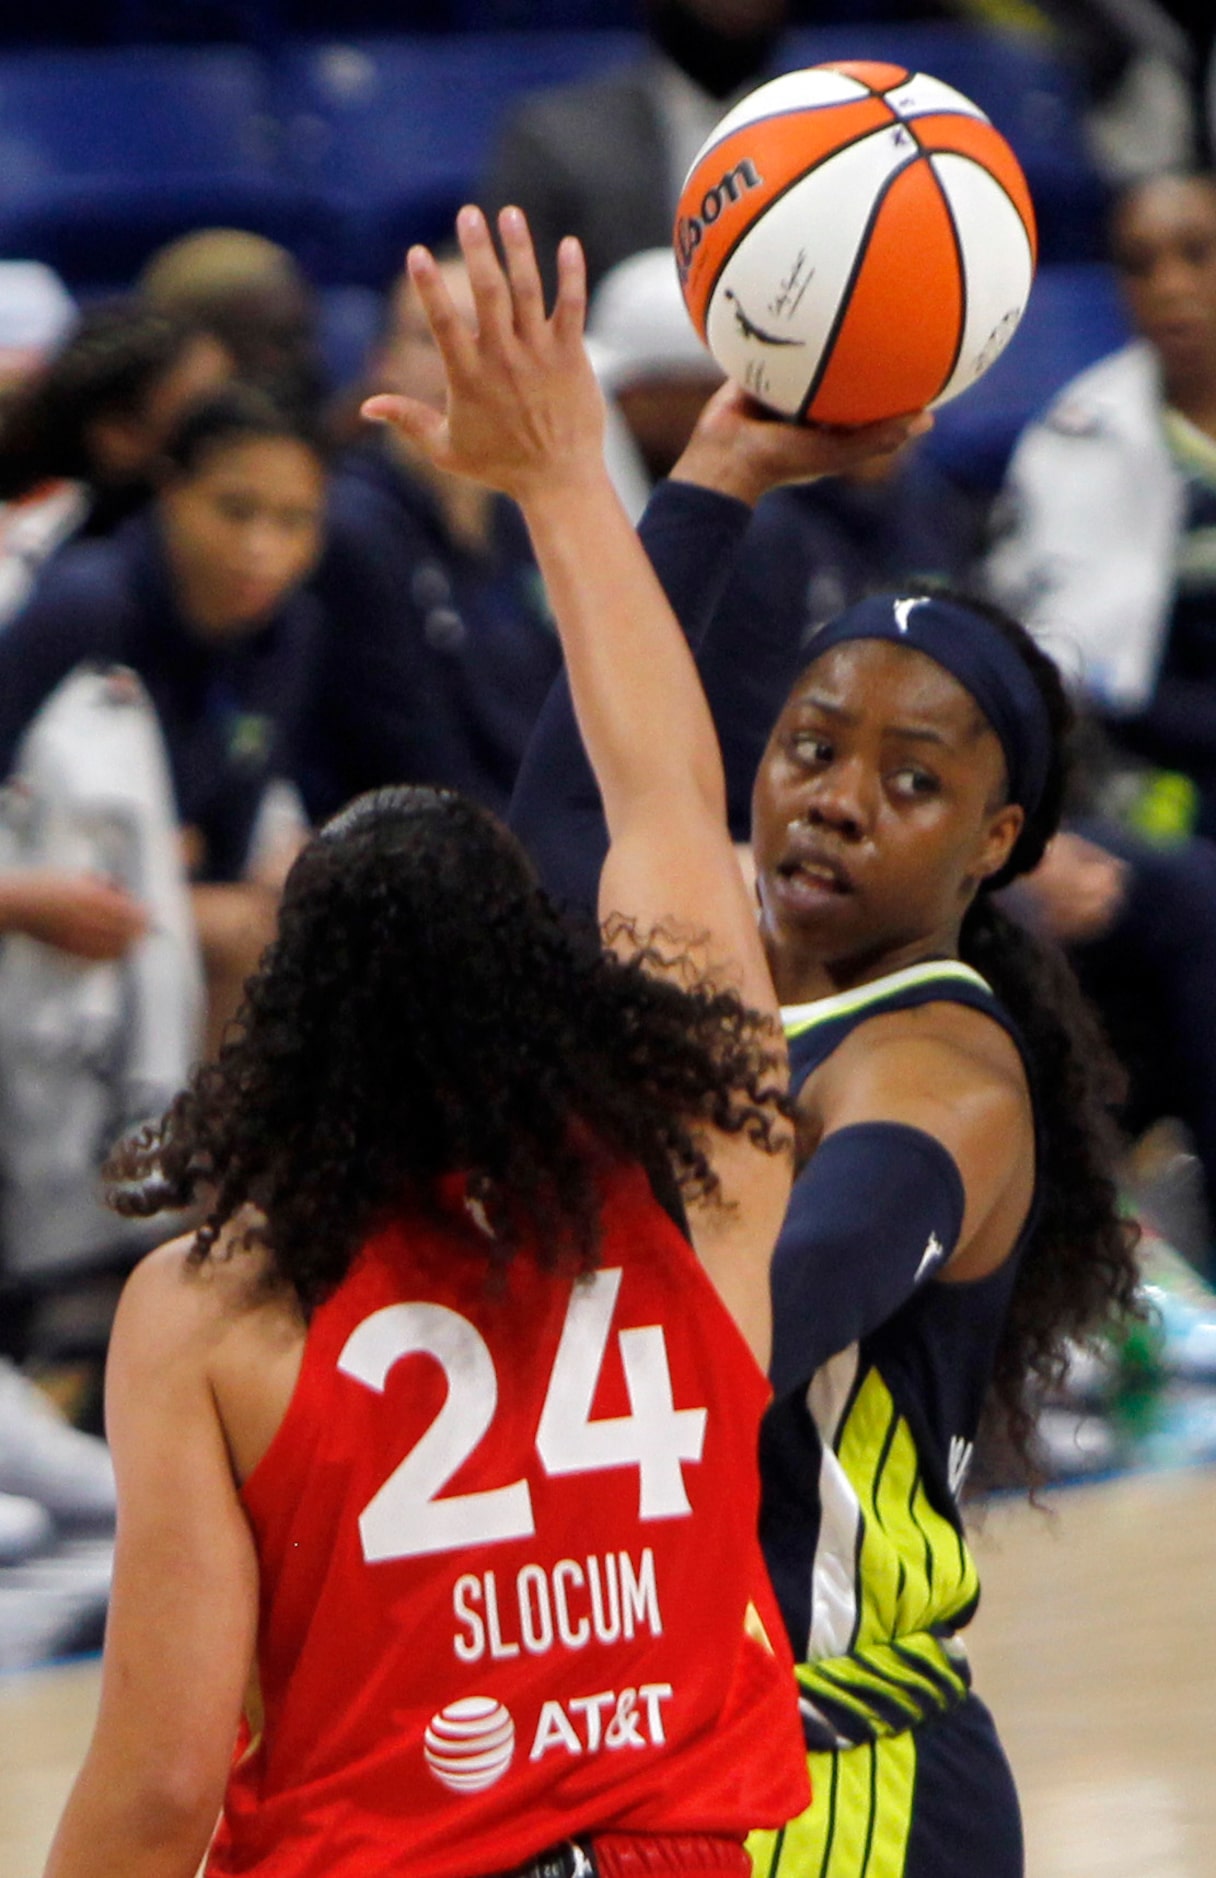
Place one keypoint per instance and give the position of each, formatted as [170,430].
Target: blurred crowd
[227,605]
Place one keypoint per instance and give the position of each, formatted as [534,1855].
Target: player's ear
[999,839]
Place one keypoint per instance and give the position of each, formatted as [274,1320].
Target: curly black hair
[1078,1271]
[426,1010]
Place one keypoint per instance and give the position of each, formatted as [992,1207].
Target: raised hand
[524,411]
[740,449]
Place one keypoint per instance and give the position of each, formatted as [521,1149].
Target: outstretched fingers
[457,345]
[491,291]
[570,307]
[527,292]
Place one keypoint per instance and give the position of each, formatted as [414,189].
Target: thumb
[420,423]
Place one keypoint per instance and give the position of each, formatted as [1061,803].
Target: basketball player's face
[876,814]
[1165,249]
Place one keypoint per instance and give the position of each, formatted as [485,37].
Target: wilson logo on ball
[855,242]
[690,229]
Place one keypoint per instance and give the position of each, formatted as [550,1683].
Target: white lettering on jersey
[409,1515]
[655,1436]
[554,1730]
[639,1595]
[585,1724]
[608,1599]
[406,1517]
[574,1634]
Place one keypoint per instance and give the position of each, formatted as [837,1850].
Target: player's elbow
[172,1807]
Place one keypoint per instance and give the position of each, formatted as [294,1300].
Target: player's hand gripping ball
[855,242]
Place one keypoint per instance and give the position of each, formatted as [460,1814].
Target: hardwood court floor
[1096,1647]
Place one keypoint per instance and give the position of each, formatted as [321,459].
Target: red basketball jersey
[511,1584]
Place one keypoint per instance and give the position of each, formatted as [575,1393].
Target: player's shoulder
[175,1301]
[942,1052]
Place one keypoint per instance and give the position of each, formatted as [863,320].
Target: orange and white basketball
[855,241]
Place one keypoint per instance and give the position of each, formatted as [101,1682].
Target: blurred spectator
[655,372]
[1139,925]
[441,649]
[604,159]
[251,295]
[1141,70]
[1109,513]
[100,978]
[202,598]
[81,437]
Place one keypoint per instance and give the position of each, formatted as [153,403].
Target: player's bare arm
[953,1075]
[525,414]
[183,1613]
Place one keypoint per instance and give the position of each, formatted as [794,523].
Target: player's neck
[802,977]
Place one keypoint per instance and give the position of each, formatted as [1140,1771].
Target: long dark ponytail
[1078,1271]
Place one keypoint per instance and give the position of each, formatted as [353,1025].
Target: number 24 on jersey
[406,1518]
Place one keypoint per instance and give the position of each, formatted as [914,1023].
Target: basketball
[855,242]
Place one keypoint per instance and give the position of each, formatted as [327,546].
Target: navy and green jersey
[862,1470]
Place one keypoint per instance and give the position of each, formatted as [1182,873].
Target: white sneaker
[24,1528]
[43,1458]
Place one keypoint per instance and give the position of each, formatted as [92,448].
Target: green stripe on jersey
[858,1820]
[913,1578]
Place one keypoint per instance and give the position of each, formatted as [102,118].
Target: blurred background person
[1108,515]
[82,436]
[1140,64]
[1104,543]
[203,598]
[440,649]
[36,315]
[252,296]
[604,158]
[655,373]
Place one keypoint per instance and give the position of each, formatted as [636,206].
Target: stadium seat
[105,154]
[391,135]
[1074,318]
[1032,97]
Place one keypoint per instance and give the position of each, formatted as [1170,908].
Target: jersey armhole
[666,1190]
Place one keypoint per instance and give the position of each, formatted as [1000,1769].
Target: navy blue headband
[974,651]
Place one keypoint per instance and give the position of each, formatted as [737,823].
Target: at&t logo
[470,1744]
